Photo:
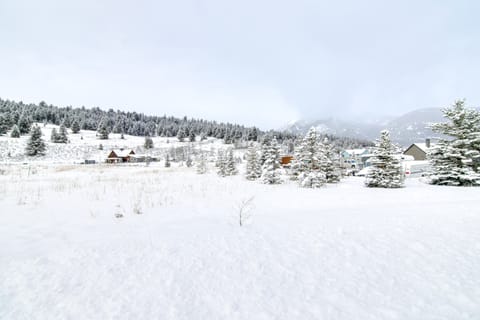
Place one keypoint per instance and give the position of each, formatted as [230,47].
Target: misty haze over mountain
[405,129]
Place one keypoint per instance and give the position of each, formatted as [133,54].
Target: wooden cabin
[285,160]
[119,155]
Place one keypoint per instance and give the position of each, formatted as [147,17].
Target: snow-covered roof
[122,152]
[423,146]
[355,151]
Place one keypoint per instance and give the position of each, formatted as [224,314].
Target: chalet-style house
[419,150]
[120,155]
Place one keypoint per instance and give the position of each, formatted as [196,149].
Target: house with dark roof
[119,155]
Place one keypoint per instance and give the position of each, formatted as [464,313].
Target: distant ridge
[406,129]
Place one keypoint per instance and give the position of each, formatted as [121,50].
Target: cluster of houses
[414,158]
[353,160]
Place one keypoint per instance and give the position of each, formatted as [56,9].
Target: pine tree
[62,134]
[75,126]
[221,164]
[35,145]
[201,164]
[455,162]
[15,132]
[3,124]
[297,165]
[189,161]
[253,169]
[308,162]
[191,137]
[54,135]
[181,134]
[386,170]
[103,130]
[230,166]
[330,162]
[167,161]
[24,124]
[148,143]
[271,173]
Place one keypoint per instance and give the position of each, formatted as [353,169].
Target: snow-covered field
[85,145]
[340,252]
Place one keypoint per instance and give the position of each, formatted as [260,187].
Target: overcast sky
[261,63]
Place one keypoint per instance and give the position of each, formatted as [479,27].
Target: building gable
[416,152]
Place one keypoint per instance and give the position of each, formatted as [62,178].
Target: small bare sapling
[244,209]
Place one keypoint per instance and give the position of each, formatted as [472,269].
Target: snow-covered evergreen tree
[264,150]
[189,161]
[253,168]
[75,126]
[201,163]
[62,136]
[308,159]
[35,144]
[221,164]
[167,161]
[386,170]
[148,144]
[297,167]
[192,136]
[455,162]
[103,130]
[24,124]
[330,162]
[53,135]
[230,166]
[4,126]
[15,132]
[182,134]
[271,169]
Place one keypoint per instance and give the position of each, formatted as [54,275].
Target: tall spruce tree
[35,144]
[253,169]
[330,162]
[148,144]
[54,135]
[167,161]
[102,130]
[4,126]
[221,164]
[75,126]
[386,170]
[271,169]
[182,134]
[15,132]
[455,161]
[201,163]
[230,165]
[309,160]
[62,136]
[24,124]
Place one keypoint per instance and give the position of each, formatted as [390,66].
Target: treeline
[138,124]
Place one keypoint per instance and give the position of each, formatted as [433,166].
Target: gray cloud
[255,62]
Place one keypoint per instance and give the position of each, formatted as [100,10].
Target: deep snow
[339,252]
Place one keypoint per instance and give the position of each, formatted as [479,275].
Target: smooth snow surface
[339,252]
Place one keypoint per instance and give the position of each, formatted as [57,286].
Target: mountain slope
[405,129]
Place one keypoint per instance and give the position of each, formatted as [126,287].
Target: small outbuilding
[286,160]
